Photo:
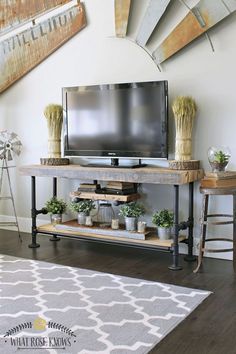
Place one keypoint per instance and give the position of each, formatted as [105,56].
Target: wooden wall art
[16,12]
[203,16]
[23,51]
[152,16]
[122,8]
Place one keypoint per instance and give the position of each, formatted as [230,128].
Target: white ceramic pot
[164,233]
[82,218]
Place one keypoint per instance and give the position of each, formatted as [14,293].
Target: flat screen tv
[128,120]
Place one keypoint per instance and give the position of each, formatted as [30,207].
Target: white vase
[164,233]
[82,218]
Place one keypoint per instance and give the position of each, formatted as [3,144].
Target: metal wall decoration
[152,16]
[122,8]
[199,19]
[20,53]
[14,13]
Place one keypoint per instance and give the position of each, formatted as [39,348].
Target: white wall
[96,56]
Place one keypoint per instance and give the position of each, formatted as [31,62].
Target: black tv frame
[114,154]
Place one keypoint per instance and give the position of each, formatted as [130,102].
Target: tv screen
[116,120]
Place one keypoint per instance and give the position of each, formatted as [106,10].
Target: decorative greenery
[132,209]
[221,157]
[55,206]
[83,206]
[163,218]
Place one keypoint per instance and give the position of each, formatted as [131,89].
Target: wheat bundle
[54,116]
[184,109]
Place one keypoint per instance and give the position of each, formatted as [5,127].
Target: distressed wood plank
[112,197]
[201,18]
[152,16]
[98,230]
[22,52]
[16,12]
[122,8]
[155,175]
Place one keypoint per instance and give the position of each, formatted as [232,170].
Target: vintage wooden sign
[152,16]
[203,16]
[15,12]
[23,51]
[122,8]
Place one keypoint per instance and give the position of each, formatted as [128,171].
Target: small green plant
[163,218]
[132,209]
[221,157]
[55,206]
[83,206]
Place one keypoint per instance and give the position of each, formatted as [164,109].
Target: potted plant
[164,220]
[83,208]
[218,158]
[56,207]
[131,212]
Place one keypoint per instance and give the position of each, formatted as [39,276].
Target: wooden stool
[206,192]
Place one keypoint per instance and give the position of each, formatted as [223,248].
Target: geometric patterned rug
[49,308]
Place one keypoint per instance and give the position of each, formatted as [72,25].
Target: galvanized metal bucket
[164,233]
[131,223]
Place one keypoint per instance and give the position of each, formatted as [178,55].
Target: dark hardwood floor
[210,329]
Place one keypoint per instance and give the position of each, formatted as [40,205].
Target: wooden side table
[206,192]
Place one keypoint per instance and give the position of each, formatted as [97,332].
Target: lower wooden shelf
[92,233]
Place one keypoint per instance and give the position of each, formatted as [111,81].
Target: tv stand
[115,163]
[153,175]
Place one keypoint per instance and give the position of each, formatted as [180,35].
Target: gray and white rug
[49,308]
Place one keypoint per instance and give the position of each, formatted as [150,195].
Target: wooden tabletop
[154,175]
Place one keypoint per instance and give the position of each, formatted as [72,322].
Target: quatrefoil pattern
[107,313]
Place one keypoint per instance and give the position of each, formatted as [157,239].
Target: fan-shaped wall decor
[153,14]
[122,8]
[203,16]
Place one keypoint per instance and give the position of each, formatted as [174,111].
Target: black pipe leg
[34,244]
[190,257]
[54,193]
[175,265]
[234,232]
[54,238]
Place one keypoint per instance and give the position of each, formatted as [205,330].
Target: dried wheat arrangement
[54,116]
[184,109]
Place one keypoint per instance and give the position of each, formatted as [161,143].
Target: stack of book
[121,187]
[222,179]
[88,187]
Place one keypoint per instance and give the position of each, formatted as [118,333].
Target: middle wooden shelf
[112,197]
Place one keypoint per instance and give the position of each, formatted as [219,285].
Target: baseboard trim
[25,224]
